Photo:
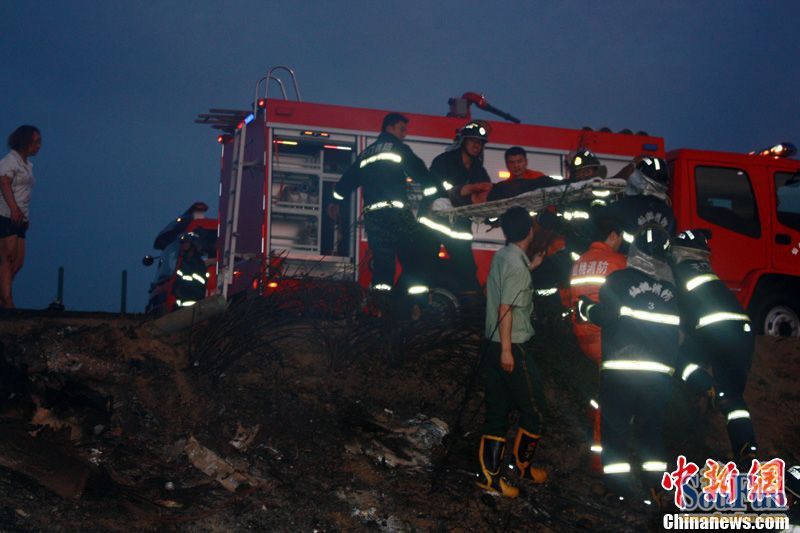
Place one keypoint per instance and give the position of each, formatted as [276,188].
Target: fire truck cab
[751,203]
[162,294]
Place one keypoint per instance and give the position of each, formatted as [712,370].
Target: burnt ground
[323,424]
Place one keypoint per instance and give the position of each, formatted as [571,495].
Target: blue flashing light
[249,118]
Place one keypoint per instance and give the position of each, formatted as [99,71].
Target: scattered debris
[244,437]
[212,465]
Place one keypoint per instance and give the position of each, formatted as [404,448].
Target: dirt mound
[273,421]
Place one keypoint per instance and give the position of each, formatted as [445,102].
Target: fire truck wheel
[777,314]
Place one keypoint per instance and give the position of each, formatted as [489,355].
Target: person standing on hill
[16,183]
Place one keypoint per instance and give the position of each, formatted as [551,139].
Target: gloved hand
[584,303]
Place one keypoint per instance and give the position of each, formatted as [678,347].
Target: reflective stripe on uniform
[337,196]
[719,317]
[199,279]
[596,448]
[185,303]
[737,414]
[696,281]
[654,466]
[617,468]
[382,287]
[546,292]
[569,215]
[588,280]
[690,368]
[383,205]
[384,156]
[632,364]
[627,237]
[447,185]
[460,235]
[417,289]
[429,191]
[648,316]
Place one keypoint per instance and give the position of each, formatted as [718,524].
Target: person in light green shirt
[510,376]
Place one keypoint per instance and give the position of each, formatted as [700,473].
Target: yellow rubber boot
[490,455]
[524,449]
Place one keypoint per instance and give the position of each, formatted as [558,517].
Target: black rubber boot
[524,449]
[490,455]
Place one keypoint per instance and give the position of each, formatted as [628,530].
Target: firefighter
[589,273]
[461,177]
[511,378]
[392,230]
[645,200]
[191,273]
[572,224]
[638,314]
[717,334]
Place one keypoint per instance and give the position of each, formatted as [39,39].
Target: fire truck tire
[777,314]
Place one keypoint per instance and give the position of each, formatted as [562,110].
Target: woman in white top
[16,182]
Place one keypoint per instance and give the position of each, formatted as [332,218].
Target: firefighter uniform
[638,314]
[717,334]
[191,273]
[451,175]
[645,201]
[392,230]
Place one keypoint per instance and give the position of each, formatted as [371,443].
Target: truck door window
[787,194]
[725,197]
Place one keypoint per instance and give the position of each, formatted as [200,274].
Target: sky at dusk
[115,86]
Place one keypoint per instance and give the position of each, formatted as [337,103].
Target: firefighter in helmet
[717,334]
[589,273]
[382,171]
[573,225]
[638,315]
[645,201]
[461,177]
[191,274]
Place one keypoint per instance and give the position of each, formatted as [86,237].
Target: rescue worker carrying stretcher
[572,224]
[392,230]
[638,314]
[589,274]
[717,334]
[645,201]
[461,177]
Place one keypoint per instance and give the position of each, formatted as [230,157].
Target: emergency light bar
[781,150]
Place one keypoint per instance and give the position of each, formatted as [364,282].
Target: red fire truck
[281,158]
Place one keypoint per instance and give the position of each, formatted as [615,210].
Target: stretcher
[595,188]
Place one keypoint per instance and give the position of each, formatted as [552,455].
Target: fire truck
[281,157]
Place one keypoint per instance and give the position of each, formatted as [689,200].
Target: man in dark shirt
[460,176]
[382,171]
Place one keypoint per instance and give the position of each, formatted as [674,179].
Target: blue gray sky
[115,86]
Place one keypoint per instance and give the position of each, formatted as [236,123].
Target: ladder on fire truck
[234,123]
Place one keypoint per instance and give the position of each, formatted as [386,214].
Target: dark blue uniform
[392,230]
[639,318]
[637,211]
[449,167]
[717,334]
